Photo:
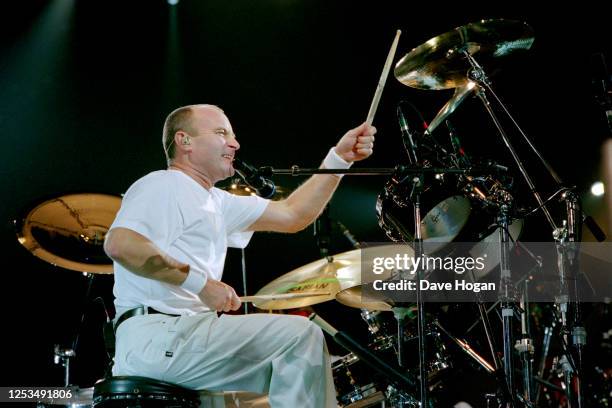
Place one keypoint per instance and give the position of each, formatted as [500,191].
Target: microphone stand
[418,253]
[268,171]
[401,311]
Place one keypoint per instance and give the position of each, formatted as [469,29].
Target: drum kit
[442,196]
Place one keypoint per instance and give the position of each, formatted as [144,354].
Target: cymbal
[440,64]
[69,231]
[353,297]
[343,271]
[460,94]
[238,187]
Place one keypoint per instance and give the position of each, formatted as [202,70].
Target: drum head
[443,223]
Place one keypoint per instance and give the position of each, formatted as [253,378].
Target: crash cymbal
[238,187]
[440,64]
[353,297]
[69,231]
[343,271]
[460,94]
[358,296]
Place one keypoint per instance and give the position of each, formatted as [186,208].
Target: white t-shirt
[188,222]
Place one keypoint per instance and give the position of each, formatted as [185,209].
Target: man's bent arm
[306,203]
[139,255]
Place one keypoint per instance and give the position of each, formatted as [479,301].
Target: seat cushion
[112,390]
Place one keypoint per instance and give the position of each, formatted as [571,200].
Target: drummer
[168,244]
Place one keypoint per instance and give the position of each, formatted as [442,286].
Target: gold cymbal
[340,275]
[238,187]
[358,295]
[69,231]
[353,297]
[341,272]
[460,94]
[440,64]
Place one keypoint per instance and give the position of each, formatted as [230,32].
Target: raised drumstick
[383,79]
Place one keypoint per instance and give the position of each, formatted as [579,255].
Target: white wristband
[334,161]
[195,282]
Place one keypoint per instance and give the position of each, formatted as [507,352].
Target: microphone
[322,231]
[348,235]
[407,138]
[263,187]
[456,143]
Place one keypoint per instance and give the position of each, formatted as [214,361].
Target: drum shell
[454,208]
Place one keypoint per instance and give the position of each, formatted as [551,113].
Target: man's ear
[182,138]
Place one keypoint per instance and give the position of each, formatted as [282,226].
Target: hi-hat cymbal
[440,64]
[343,271]
[69,231]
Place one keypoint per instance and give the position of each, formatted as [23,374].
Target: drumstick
[383,79]
[280,296]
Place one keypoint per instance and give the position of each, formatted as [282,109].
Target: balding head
[180,119]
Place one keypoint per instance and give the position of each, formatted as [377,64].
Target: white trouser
[283,356]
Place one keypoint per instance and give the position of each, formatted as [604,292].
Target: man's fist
[219,296]
[357,144]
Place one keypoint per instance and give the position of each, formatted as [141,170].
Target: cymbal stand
[572,256]
[504,391]
[507,297]
[569,232]
[62,356]
[548,332]
[477,74]
[524,346]
[567,258]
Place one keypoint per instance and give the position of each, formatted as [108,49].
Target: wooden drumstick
[383,79]
[281,296]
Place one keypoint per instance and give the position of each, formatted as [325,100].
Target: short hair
[178,119]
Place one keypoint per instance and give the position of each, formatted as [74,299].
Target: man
[169,242]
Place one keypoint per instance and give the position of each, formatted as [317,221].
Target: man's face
[213,143]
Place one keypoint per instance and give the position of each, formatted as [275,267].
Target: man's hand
[220,296]
[357,144]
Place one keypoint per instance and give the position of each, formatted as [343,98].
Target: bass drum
[454,208]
